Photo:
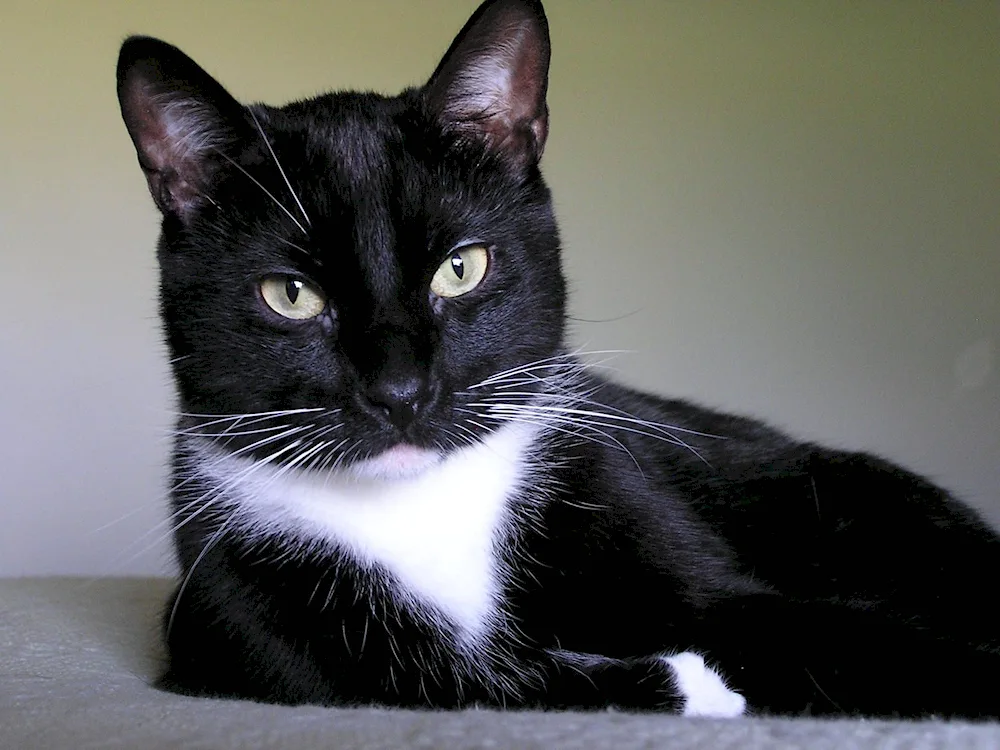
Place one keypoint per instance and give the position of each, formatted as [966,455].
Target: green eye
[461,272]
[292,297]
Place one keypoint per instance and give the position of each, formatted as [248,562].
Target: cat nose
[399,398]
[395,373]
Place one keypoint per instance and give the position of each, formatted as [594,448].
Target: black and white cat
[395,484]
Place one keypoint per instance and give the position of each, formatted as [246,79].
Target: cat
[395,484]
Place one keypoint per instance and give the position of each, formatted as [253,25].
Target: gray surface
[76,658]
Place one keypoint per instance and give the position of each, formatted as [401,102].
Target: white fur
[483,87]
[190,125]
[435,525]
[487,84]
[704,692]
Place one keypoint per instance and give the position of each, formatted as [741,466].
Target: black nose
[399,398]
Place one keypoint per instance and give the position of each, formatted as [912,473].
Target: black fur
[816,581]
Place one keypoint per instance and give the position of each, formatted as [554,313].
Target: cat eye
[292,297]
[461,271]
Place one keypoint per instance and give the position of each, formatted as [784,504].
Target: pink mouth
[399,462]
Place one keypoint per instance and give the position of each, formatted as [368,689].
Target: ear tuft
[180,120]
[493,80]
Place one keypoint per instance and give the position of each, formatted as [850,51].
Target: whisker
[473,438]
[621,415]
[278,163]
[225,433]
[268,192]
[278,413]
[547,423]
[330,456]
[217,491]
[291,244]
[306,453]
[577,416]
[557,360]
[207,495]
[187,577]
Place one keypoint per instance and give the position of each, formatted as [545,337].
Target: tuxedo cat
[393,482]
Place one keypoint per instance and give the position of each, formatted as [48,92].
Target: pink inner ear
[493,80]
[527,84]
[173,137]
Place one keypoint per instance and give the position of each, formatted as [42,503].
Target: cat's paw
[703,690]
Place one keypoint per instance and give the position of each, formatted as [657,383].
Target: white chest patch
[438,533]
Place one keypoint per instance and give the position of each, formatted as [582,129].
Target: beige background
[794,205]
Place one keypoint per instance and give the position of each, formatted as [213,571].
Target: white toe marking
[704,692]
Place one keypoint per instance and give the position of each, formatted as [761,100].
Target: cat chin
[402,461]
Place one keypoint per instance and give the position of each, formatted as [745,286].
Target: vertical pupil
[292,288]
[457,265]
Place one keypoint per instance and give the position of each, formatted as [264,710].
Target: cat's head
[354,270]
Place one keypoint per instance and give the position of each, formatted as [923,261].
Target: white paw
[704,692]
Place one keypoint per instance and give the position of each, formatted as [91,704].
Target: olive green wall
[789,209]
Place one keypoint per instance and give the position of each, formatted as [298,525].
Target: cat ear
[180,119]
[492,81]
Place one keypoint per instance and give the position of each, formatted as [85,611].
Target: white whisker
[576,416]
[278,413]
[556,361]
[207,496]
[278,163]
[187,577]
[281,239]
[193,432]
[268,192]
[620,415]
[547,422]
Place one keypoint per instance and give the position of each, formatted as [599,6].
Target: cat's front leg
[681,683]
[704,689]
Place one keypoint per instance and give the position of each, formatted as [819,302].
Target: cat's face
[352,271]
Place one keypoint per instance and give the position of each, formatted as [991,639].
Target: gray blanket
[77,657]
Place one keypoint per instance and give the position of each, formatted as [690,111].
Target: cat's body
[394,484]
